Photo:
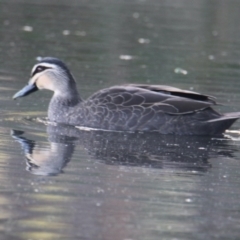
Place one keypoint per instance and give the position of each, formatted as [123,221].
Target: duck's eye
[39,69]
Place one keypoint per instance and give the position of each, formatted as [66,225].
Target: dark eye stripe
[39,69]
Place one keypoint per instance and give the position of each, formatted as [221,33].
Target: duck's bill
[30,88]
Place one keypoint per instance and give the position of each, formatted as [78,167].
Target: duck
[127,107]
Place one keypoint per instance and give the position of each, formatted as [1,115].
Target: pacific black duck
[130,107]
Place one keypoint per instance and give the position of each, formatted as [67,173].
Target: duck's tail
[220,124]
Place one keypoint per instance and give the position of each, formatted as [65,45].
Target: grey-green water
[64,183]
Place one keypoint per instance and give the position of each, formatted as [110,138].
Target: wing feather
[167,99]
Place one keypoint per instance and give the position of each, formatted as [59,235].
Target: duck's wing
[176,92]
[161,98]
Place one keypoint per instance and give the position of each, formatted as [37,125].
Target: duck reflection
[150,150]
[45,158]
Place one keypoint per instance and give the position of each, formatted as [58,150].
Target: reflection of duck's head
[44,158]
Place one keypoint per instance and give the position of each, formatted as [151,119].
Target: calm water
[64,183]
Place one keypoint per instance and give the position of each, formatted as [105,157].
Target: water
[64,183]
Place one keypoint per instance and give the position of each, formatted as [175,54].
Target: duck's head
[51,74]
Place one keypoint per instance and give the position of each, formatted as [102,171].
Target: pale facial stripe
[47,65]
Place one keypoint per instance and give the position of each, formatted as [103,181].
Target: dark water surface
[64,183]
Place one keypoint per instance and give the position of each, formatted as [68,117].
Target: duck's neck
[62,105]
[68,98]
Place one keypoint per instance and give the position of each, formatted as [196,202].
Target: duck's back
[164,109]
